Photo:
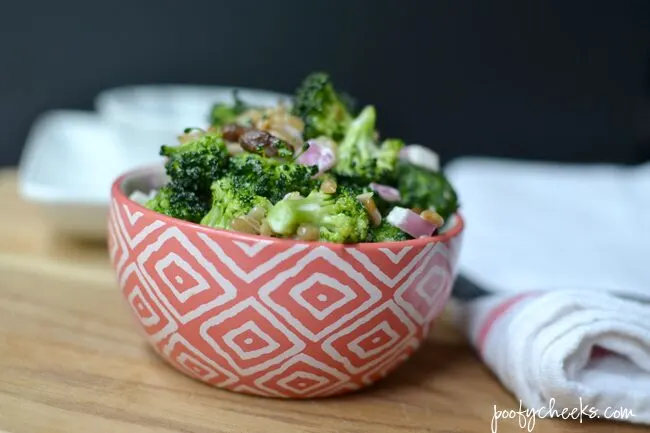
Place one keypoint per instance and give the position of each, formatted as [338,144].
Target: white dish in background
[71,157]
[67,167]
[148,116]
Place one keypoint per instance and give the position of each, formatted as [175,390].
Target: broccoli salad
[314,170]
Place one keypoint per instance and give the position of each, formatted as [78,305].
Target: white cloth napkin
[565,252]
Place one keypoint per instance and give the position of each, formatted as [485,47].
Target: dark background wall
[554,79]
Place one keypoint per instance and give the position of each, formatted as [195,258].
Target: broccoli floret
[223,113]
[191,167]
[424,189]
[352,184]
[322,109]
[387,233]
[387,158]
[358,148]
[270,177]
[229,202]
[175,202]
[339,217]
[194,165]
[359,155]
[355,188]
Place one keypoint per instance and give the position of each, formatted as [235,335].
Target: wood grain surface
[72,361]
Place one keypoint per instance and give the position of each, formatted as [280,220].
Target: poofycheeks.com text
[527,417]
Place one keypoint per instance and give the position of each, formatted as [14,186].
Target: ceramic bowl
[275,317]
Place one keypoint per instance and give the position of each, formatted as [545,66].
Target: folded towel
[563,252]
[554,226]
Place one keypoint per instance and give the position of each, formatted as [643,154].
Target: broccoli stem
[359,142]
[339,217]
[361,158]
[285,217]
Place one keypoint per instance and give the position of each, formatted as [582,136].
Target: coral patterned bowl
[275,317]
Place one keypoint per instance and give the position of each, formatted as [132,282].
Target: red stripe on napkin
[494,316]
[599,352]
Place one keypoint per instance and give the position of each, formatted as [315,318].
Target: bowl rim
[118,192]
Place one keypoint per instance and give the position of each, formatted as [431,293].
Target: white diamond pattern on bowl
[374,341]
[253,341]
[330,295]
[343,346]
[195,363]
[133,227]
[361,294]
[260,269]
[426,290]
[303,375]
[395,256]
[148,310]
[121,254]
[405,264]
[179,276]
[151,261]
[301,382]
[217,332]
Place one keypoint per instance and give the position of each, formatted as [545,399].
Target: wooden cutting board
[72,361]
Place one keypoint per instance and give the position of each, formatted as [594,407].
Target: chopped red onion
[410,222]
[386,192]
[420,156]
[319,155]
